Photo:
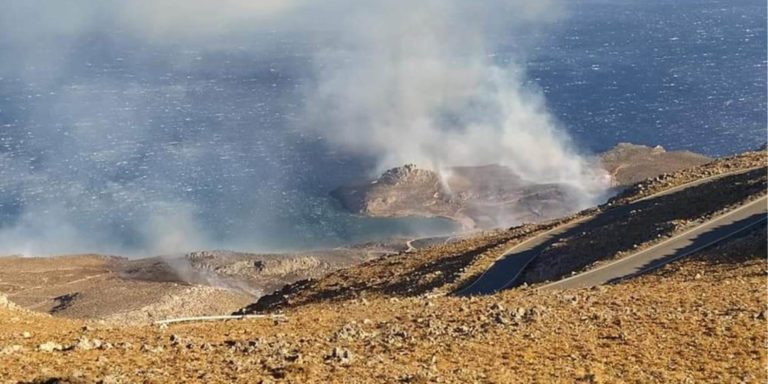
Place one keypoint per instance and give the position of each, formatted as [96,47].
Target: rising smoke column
[417,82]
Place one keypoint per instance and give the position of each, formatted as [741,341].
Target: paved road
[508,268]
[684,244]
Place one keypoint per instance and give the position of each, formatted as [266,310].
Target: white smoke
[191,20]
[400,81]
[416,82]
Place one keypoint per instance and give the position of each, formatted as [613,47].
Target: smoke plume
[165,126]
[419,83]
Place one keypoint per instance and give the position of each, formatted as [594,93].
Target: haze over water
[103,128]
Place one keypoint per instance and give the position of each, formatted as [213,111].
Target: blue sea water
[210,131]
[683,74]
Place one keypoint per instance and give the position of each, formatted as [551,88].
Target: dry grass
[442,269]
[698,320]
[610,235]
[701,319]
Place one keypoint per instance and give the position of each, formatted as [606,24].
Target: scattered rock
[6,303]
[339,355]
[462,330]
[350,331]
[11,349]
[85,344]
[520,313]
[151,349]
[293,357]
[50,346]
[110,379]
[125,345]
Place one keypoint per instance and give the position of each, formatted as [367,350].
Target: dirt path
[59,285]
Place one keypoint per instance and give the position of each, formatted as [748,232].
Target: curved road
[508,268]
[684,244]
[505,271]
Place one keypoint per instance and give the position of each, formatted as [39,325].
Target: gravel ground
[698,320]
[701,319]
[443,268]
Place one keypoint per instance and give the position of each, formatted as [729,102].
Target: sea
[104,140]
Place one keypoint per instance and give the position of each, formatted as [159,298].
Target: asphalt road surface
[508,268]
[684,244]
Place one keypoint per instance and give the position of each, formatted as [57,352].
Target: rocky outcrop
[234,264]
[6,303]
[401,191]
[482,196]
[252,274]
[493,195]
[629,163]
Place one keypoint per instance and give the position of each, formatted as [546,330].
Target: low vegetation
[393,320]
[697,320]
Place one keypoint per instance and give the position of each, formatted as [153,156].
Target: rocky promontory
[493,195]
[630,163]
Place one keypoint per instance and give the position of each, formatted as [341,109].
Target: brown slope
[697,320]
[442,268]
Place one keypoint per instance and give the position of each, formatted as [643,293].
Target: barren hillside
[200,283]
[392,319]
[697,320]
[443,268]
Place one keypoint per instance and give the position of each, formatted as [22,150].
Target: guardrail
[216,318]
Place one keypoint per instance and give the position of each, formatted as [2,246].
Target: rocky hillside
[402,191]
[701,319]
[492,195]
[392,319]
[200,283]
[91,286]
[646,224]
[443,268]
[253,274]
[630,163]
